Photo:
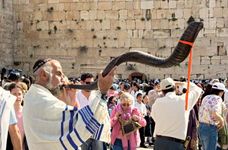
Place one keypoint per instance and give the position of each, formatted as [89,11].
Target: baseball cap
[213,81]
[167,83]
[218,86]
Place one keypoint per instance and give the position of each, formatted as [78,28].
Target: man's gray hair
[47,68]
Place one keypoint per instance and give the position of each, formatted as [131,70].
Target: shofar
[179,54]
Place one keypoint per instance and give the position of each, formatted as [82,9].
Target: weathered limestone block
[220,22]
[129,5]
[156,24]
[115,52]
[222,32]
[218,12]
[187,13]
[53,1]
[179,13]
[224,60]
[205,60]
[176,33]
[162,13]
[38,15]
[111,15]
[135,42]
[164,24]
[66,1]
[111,43]
[212,3]
[130,24]
[140,24]
[124,43]
[54,16]
[84,15]
[101,14]
[164,4]
[118,5]
[104,5]
[147,4]
[72,15]
[43,25]
[173,24]
[172,4]
[106,25]
[225,12]
[203,13]
[215,60]
[79,6]
[123,14]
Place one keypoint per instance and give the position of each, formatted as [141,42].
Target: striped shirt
[51,124]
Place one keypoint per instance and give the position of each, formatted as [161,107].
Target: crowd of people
[120,115]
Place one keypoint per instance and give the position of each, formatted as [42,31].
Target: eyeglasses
[125,104]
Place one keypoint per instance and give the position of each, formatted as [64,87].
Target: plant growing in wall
[50,9]
[83,49]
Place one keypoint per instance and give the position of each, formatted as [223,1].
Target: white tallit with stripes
[6,104]
[50,124]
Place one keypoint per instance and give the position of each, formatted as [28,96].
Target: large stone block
[123,14]
[53,1]
[111,15]
[203,13]
[140,24]
[118,5]
[135,42]
[220,22]
[84,15]
[172,4]
[218,12]
[147,4]
[130,24]
[105,5]
[225,12]
[106,25]
[162,13]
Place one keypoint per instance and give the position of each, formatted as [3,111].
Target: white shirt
[141,107]
[6,113]
[50,124]
[169,113]
[82,100]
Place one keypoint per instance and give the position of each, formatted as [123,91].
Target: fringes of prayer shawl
[77,133]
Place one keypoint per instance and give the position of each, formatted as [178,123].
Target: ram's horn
[179,54]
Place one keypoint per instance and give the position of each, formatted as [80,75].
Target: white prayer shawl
[6,104]
[50,124]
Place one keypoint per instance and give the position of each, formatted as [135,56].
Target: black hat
[39,63]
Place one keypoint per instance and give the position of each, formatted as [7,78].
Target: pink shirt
[116,128]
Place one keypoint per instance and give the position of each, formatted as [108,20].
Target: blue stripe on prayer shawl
[94,121]
[92,125]
[98,134]
[72,142]
[71,121]
[78,136]
[87,123]
[89,110]
[62,128]
[72,113]
[91,122]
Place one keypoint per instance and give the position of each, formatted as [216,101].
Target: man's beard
[54,90]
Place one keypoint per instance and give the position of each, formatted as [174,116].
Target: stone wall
[6,33]
[84,35]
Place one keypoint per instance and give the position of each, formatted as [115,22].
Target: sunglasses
[125,104]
